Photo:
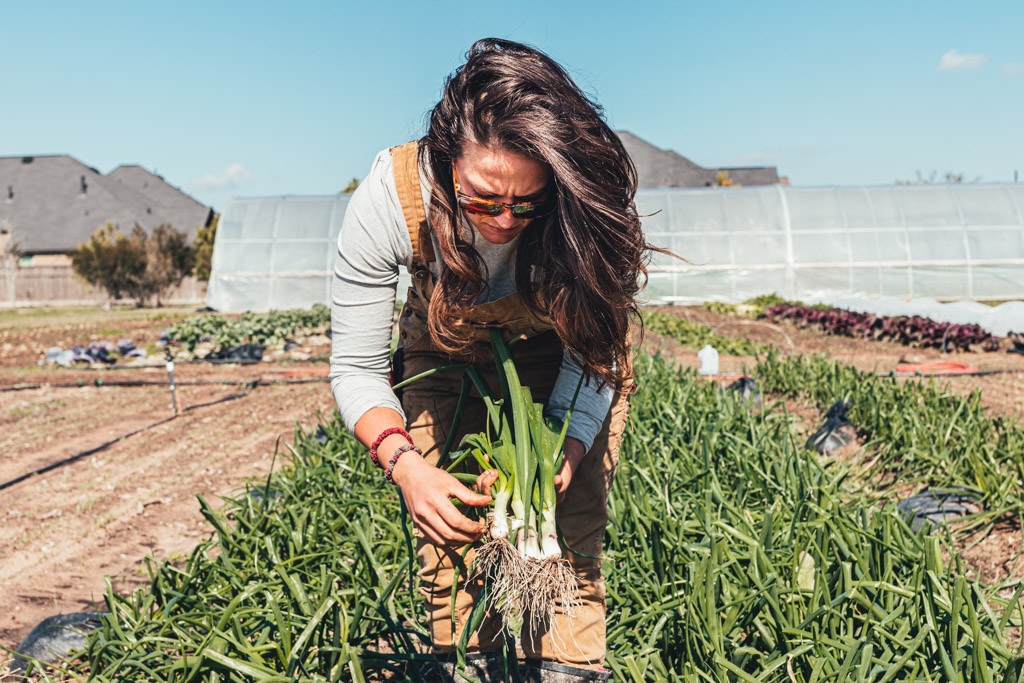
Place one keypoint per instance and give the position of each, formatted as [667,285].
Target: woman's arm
[588,415]
[372,245]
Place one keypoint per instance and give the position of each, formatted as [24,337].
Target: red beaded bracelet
[389,472]
[383,435]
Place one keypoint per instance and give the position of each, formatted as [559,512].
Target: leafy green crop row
[922,432]
[731,554]
[754,308]
[695,335]
[298,583]
[271,329]
[735,554]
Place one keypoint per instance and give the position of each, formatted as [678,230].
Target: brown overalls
[429,406]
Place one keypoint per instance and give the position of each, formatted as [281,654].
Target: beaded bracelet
[389,472]
[383,435]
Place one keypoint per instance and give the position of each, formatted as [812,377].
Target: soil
[63,532]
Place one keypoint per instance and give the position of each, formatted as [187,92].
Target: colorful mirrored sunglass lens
[490,207]
[485,207]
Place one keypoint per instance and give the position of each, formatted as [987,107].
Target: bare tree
[949,178]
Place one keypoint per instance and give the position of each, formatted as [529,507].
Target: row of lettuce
[732,552]
[914,330]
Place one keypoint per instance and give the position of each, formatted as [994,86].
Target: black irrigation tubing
[150,383]
[222,361]
[126,383]
[77,456]
[196,361]
[974,373]
[909,375]
[64,461]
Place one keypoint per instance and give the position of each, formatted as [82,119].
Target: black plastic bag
[837,433]
[934,507]
[243,353]
[747,388]
[54,638]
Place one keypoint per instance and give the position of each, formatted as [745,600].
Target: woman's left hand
[573,454]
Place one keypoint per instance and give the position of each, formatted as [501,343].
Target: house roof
[53,203]
[658,167]
[171,199]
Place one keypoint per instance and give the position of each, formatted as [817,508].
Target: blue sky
[255,98]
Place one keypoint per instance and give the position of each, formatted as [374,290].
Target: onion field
[733,552]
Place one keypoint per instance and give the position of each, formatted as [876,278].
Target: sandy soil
[63,532]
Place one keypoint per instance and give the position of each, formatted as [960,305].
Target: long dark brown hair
[590,255]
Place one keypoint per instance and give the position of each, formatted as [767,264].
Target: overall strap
[407,182]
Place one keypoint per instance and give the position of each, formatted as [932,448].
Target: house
[664,168]
[50,204]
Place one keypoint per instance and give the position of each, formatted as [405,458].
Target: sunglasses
[492,208]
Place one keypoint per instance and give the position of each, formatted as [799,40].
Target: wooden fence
[58,286]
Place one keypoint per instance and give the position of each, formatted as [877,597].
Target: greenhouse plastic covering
[276,252]
[902,242]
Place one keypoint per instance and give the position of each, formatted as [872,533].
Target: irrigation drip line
[77,456]
[197,361]
[64,461]
[152,382]
[756,323]
[974,373]
[893,373]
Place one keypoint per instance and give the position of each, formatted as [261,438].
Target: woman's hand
[426,490]
[573,453]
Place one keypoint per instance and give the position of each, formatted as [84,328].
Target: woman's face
[504,176]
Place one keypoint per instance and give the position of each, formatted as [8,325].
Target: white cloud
[228,179]
[955,61]
[1012,69]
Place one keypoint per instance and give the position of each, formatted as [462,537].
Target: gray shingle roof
[664,168]
[43,206]
[172,201]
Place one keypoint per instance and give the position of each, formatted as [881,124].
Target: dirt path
[64,531]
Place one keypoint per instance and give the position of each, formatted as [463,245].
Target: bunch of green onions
[526,448]
[522,563]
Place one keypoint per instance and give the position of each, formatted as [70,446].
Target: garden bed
[684,579]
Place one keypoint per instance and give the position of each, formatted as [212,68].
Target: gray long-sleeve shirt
[372,246]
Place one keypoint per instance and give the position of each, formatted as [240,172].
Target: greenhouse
[275,252]
[906,242]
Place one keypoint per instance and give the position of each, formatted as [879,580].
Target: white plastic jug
[708,358]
